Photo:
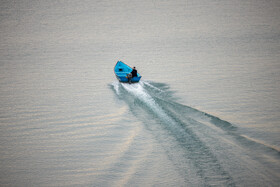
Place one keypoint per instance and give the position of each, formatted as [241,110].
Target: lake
[205,113]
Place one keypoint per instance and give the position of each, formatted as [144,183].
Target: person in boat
[134,72]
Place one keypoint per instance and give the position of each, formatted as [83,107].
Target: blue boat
[122,72]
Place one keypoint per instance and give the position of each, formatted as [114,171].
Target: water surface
[206,112]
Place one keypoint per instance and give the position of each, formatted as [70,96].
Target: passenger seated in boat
[134,72]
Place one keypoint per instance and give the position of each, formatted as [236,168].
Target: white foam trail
[138,91]
[116,86]
[148,84]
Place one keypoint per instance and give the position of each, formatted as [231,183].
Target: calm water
[206,112]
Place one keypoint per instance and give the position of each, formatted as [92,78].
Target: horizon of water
[205,113]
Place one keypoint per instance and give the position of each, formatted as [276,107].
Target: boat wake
[205,149]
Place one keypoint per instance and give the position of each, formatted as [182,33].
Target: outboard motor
[129,77]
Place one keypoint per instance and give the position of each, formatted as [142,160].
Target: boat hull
[122,70]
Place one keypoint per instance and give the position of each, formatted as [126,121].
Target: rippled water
[206,112]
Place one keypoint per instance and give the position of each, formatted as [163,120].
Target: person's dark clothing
[134,73]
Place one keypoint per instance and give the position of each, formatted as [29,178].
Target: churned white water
[206,112]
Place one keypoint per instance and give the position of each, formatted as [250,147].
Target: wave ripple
[204,149]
